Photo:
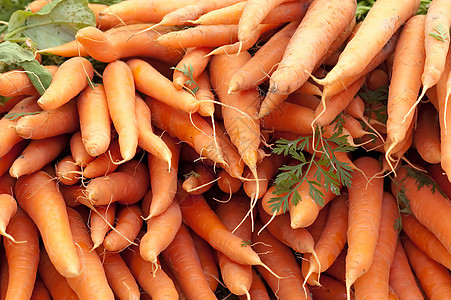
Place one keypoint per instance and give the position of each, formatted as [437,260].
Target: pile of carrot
[146,169]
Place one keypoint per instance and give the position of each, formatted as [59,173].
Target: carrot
[193,130]
[92,277]
[150,82]
[323,22]
[78,71]
[136,11]
[98,223]
[258,288]
[49,123]
[69,49]
[439,176]
[375,281]
[95,121]
[376,79]
[10,103]
[434,278]
[54,281]
[120,95]
[194,60]
[330,289]
[40,292]
[104,164]
[119,276]
[181,256]
[74,195]
[266,202]
[423,202]
[37,154]
[38,195]
[199,180]
[148,140]
[425,240]
[338,269]
[332,239]
[160,232]
[125,41]
[67,171]
[127,185]
[128,224]
[3,276]
[16,82]
[237,277]
[7,130]
[285,12]
[207,259]
[401,97]
[227,183]
[23,257]
[299,122]
[426,137]
[279,257]
[365,205]
[436,46]
[204,94]
[401,277]
[163,178]
[368,41]
[78,150]
[256,70]
[7,184]
[36,5]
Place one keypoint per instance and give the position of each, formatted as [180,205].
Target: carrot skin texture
[104,164]
[16,82]
[207,259]
[39,196]
[23,258]
[331,289]
[426,137]
[40,291]
[78,150]
[97,224]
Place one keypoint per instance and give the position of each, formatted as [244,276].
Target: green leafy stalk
[15,116]
[440,33]
[188,72]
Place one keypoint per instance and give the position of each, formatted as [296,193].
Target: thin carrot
[120,94]
[16,82]
[105,163]
[338,269]
[95,121]
[23,257]
[427,135]
[37,154]
[39,196]
[207,259]
[69,49]
[78,150]
[234,165]
[194,60]
[98,222]
[204,94]
[128,224]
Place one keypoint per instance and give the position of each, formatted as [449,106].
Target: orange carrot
[10,103]
[78,150]
[16,82]
[49,123]
[150,82]
[427,134]
[74,195]
[299,122]
[120,95]
[92,277]
[258,288]
[39,196]
[233,165]
[23,257]
[128,225]
[67,171]
[37,154]
[227,183]
[98,222]
[204,94]
[266,202]
[40,292]
[95,121]
[199,180]
[78,71]
[195,59]
[127,185]
[69,49]
[376,79]
[365,205]
[104,164]
[338,269]
[7,184]
[207,260]
[330,289]
[439,176]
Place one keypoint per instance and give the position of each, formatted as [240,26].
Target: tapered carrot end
[233,87]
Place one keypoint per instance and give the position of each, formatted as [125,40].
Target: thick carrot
[369,39]
[401,277]
[95,121]
[323,22]
[163,178]
[181,256]
[152,83]
[338,269]
[67,171]
[54,281]
[119,276]
[330,289]
[227,183]
[375,281]
[125,41]
[104,164]
[16,82]
[39,196]
[207,259]
[160,232]
[78,71]
[49,123]
[92,282]
[37,154]
[3,275]
[401,97]
[7,130]
[424,203]
[127,185]
[279,257]
[299,122]
[426,137]
[147,139]
[365,205]
[120,95]
[195,59]
[98,222]
[128,224]
[425,240]
[10,103]
[23,257]
[434,278]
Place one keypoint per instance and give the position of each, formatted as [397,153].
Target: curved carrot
[78,71]
[95,121]
[16,82]
[120,95]
[104,164]
[98,222]
[23,257]
[69,49]
[204,94]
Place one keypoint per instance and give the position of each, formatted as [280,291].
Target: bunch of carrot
[153,177]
